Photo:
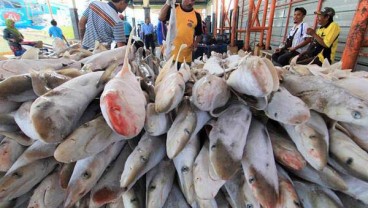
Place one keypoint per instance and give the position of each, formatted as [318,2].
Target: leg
[286,57]
[275,57]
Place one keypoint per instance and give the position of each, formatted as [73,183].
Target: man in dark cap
[326,36]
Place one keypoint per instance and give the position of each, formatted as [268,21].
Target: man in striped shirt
[101,22]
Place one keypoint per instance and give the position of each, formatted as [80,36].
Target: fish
[333,101]
[210,92]
[48,193]
[159,182]
[87,172]
[327,177]
[38,150]
[10,150]
[19,137]
[44,81]
[357,188]
[66,172]
[348,154]
[238,192]
[253,77]
[201,176]
[227,140]
[170,90]
[102,60]
[135,197]
[171,32]
[176,199]
[7,106]
[278,108]
[156,123]
[181,129]
[184,167]
[312,195]
[259,165]
[53,118]
[358,134]
[7,123]
[349,201]
[23,119]
[288,197]
[87,140]
[149,152]
[31,53]
[284,149]
[108,189]
[123,104]
[18,182]
[311,139]
[13,67]
[17,88]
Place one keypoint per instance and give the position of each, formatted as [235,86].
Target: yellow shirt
[188,25]
[329,35]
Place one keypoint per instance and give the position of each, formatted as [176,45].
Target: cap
[326,11]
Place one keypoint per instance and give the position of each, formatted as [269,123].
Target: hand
[278,50]
[291,49]
[311,32]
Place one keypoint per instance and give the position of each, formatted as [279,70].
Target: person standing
[326,37]
[161,32]
[296,42]
[14,37]
[55,32]
[188,27]
[147,31]
[127,26]
[100,21]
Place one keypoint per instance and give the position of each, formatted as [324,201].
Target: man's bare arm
[163,12]
[82,27]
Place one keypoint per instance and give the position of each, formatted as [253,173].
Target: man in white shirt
[297,40]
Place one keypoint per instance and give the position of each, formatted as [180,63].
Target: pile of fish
[121,128]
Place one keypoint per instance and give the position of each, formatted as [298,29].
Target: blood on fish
[121,124]
[105,195]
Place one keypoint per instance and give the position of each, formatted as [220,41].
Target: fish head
[10,183]
[288,196]
[78,186]
[262,190]
[354,110]
[222,161]
[314,142]
[133,167]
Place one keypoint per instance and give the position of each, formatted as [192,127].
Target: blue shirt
[127,28]
[147,29]
[55,32]
[161,32]
[103,24]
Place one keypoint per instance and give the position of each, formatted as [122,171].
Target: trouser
[283,57]
[149,42]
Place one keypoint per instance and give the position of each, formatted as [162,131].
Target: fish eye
[213,147]
[251,180]
[86,175]
[16,174]
[143,159]
[152,187]
[133,200]
[184,169]
[356,115]
[249,206]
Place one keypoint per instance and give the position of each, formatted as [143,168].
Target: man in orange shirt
[188,27]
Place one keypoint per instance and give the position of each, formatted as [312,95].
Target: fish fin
[126,65]
[182,46]
[106,76]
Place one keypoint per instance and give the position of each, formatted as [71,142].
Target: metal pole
[234,23]
[263,22]
[247,37]
[270,23]
[356,36]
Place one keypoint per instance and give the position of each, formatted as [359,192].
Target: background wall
[345,10]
